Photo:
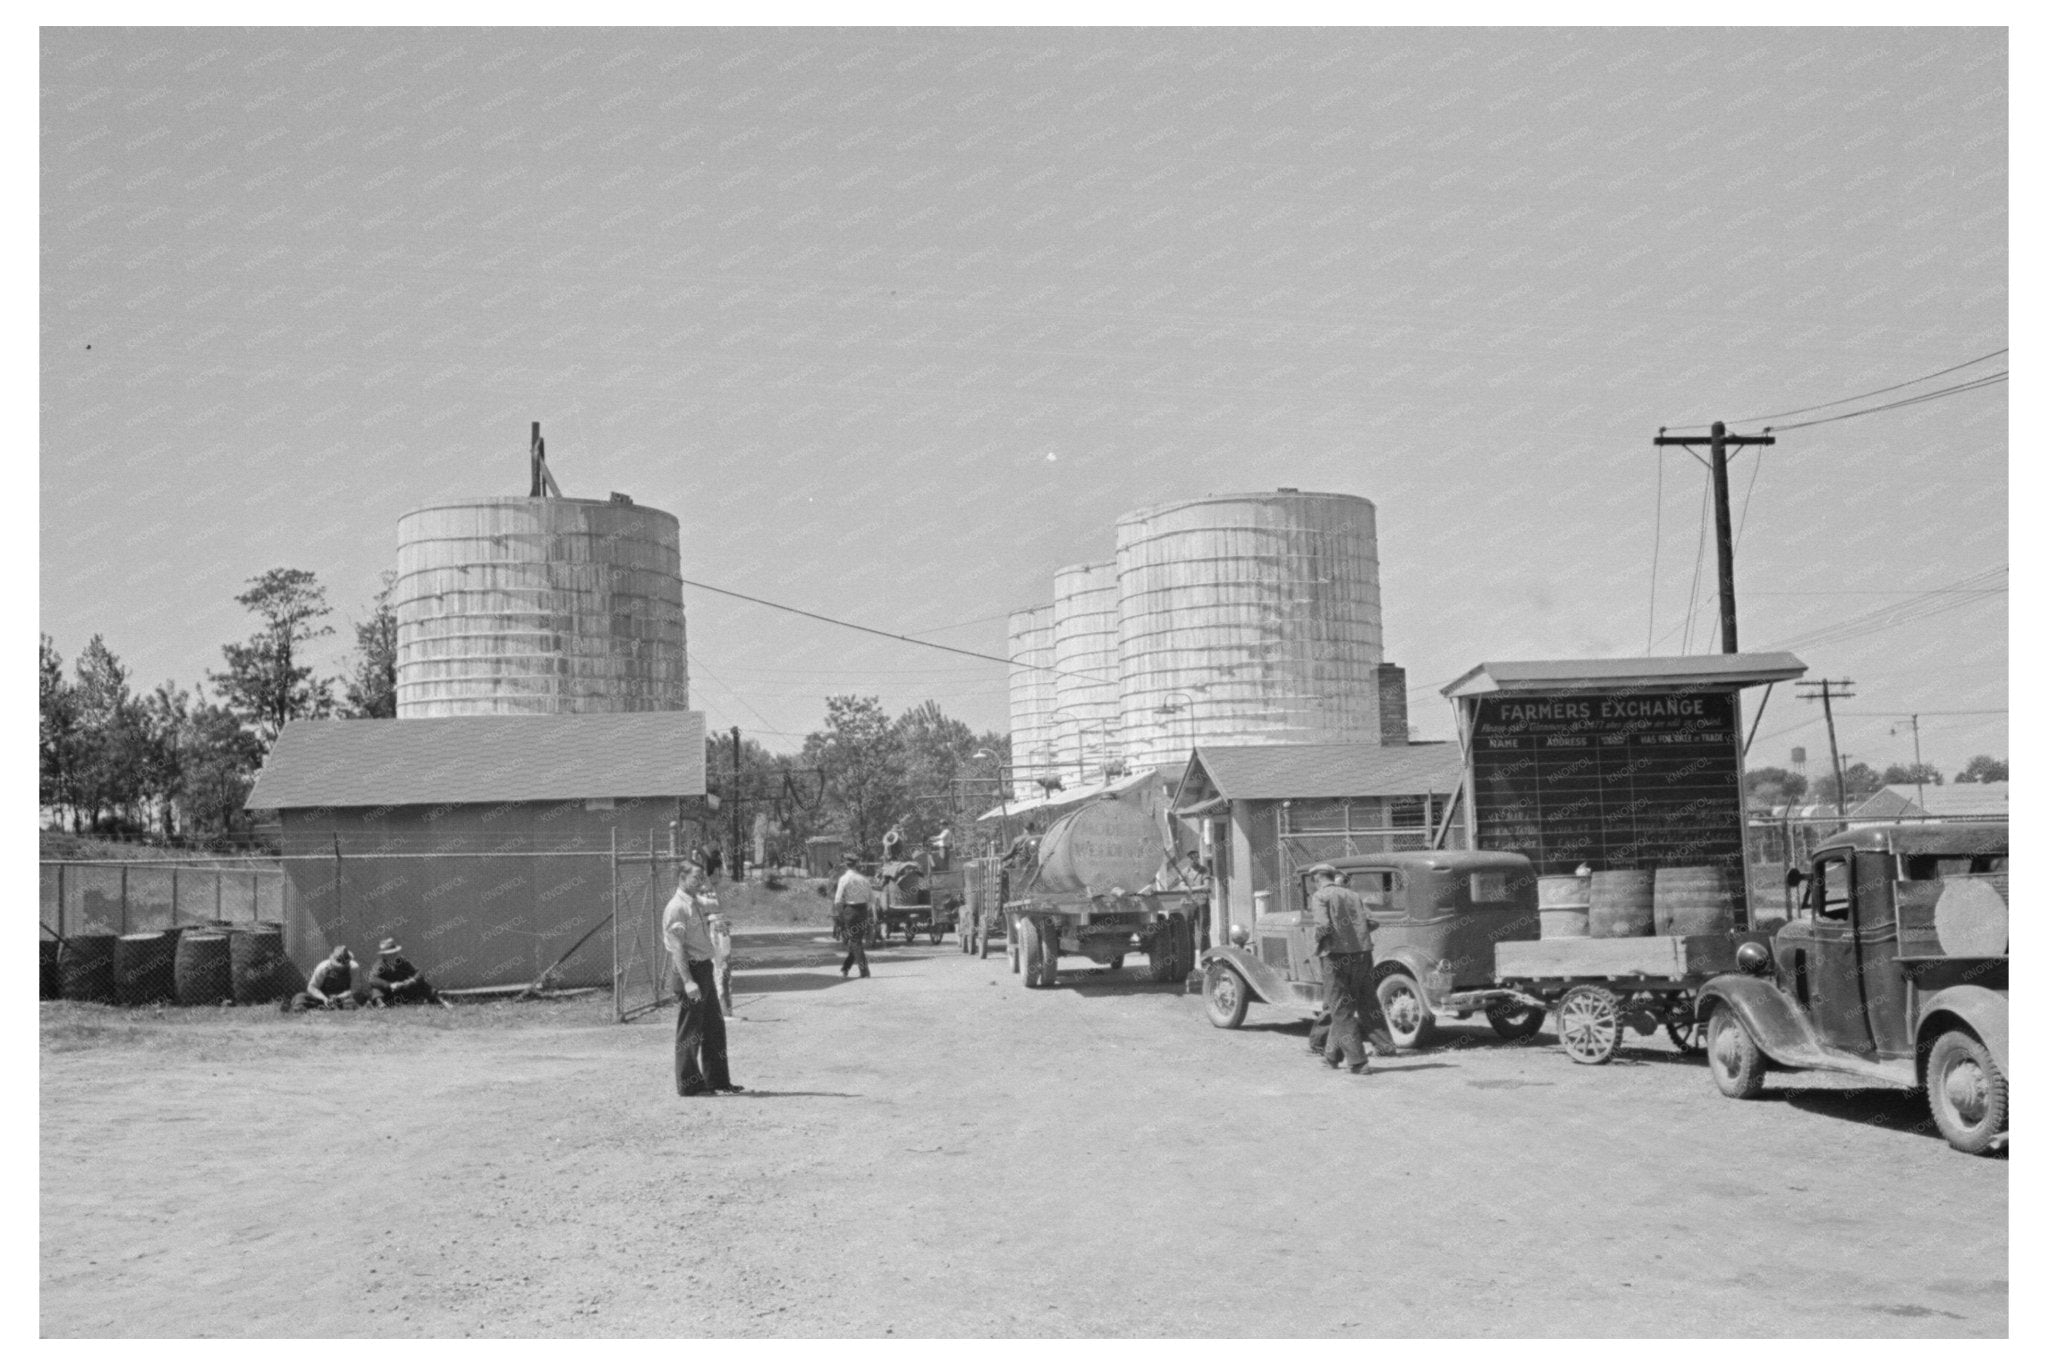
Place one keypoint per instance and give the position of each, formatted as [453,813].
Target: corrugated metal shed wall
[1248,619]
[478,895]
[521,606]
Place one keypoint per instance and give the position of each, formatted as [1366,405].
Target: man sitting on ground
[396,981]
[328,988]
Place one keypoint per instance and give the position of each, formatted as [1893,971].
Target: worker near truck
[1344,942]
[850,907]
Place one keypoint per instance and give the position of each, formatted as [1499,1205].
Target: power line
[1950,392]
[1965,591]
[1854,397]
[892,635]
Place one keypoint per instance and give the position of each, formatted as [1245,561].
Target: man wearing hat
[1344,942]
[396,981]
[850,906]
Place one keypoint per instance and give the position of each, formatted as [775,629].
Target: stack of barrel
[195,965]
[1636,902]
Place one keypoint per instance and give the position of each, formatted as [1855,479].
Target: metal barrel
[257,965]
[201,972]
[144,967]
[86,963]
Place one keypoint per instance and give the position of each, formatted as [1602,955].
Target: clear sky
[897,323]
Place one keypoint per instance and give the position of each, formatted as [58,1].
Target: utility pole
[1919,781]
[1724,537]
[1830,690]
[735,854]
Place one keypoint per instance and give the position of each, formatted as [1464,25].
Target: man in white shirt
[701,1067]
[850,905]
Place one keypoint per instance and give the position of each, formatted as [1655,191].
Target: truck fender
[1409,961]
[1776,1024]
[1265,983]
[1978,1009]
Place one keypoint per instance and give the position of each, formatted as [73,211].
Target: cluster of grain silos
[1234,619]
[539,605]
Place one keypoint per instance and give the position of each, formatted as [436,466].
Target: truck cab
[1435,917]
[1892,967]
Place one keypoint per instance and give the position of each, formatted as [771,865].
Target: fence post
[219,896]
[63,929]
[174,895]
[124,898]
[618,995]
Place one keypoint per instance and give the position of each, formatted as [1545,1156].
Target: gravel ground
[939,1152]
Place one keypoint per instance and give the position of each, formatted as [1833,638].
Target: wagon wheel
[1589,1024]
[938,932]
[1115,964]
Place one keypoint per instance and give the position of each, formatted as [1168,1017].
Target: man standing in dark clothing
[700,1025]
[1344,942]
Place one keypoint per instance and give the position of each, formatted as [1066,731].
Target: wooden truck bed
[1663,958]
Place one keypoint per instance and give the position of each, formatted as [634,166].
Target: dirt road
[939,1152]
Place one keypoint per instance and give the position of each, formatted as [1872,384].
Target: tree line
[858,776]
[1783,787]
[176,764]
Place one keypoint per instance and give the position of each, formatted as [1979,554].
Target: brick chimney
[1393,685]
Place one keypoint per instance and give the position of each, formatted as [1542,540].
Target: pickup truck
[1891,968]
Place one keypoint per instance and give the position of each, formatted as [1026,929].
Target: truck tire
[1966,1091]
[1225,996]
[1170,950]
[1512,1021]
[1409,1020]
[1031,951]
[1734,1058]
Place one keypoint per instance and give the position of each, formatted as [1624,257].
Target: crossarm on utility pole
[1724,539]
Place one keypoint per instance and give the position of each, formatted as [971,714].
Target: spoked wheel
[1966,1091]
[1514,1022]
[1409,1020]
[1589,1024]
[1224,996]
[1687,1035]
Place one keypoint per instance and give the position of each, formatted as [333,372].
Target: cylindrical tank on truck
[1104,884]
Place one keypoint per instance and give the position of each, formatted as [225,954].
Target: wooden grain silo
[539,606]
[1248,619]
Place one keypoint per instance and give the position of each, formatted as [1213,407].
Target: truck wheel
[1225,996]
[1685,1035]
[1040,957]
[981,939]
[1966,1091]
[1514,1022]
[1011,940]
[1409,1021]
[1589,1024]
[1734,1058]
[1115,964]
[937,933]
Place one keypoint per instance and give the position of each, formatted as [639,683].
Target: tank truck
[1105,882]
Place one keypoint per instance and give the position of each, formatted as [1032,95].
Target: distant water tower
[539,605]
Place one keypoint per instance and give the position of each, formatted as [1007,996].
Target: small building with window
[1263,812]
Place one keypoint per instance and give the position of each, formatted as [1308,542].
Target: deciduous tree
[372,687]
[1985,768]
[267,681]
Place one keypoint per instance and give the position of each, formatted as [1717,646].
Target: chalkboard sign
[1617,780]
